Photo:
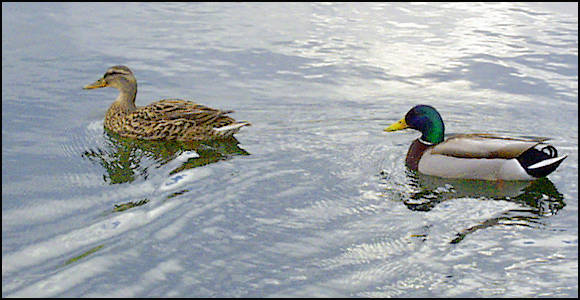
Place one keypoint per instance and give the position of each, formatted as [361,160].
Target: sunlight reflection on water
[313,199]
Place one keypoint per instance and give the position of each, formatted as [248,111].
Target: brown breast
[416,150]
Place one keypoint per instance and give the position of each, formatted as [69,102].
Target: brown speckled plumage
[170,119]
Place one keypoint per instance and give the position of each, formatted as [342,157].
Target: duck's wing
[179,120]
[485,146]
[190,112]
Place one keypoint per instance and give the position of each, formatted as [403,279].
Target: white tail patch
[232,128]
[547,162]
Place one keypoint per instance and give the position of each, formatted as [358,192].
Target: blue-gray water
[315,199]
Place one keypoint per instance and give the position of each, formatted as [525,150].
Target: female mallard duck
[170,119]
[473,156]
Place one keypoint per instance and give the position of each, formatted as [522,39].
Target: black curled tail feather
[531,160]
[550,151]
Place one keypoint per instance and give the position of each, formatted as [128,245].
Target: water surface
[314,198]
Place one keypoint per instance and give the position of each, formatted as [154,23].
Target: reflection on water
[123,158]
[126,159]
[538,198]
[87,214]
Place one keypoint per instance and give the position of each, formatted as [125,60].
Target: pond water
[313,199]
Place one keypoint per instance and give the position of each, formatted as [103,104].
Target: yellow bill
[97,84]
[401,124]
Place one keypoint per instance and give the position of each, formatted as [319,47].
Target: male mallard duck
[170,119]
[473,156]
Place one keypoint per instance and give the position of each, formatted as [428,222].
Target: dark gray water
[314,198]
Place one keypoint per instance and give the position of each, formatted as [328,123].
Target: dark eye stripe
[110,73]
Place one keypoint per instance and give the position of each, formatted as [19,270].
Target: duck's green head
[425,119]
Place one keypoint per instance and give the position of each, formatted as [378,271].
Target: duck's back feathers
[479,145]
[173,119]
[175,109]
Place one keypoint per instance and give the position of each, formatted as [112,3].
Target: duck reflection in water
[126,159]
[537,199]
